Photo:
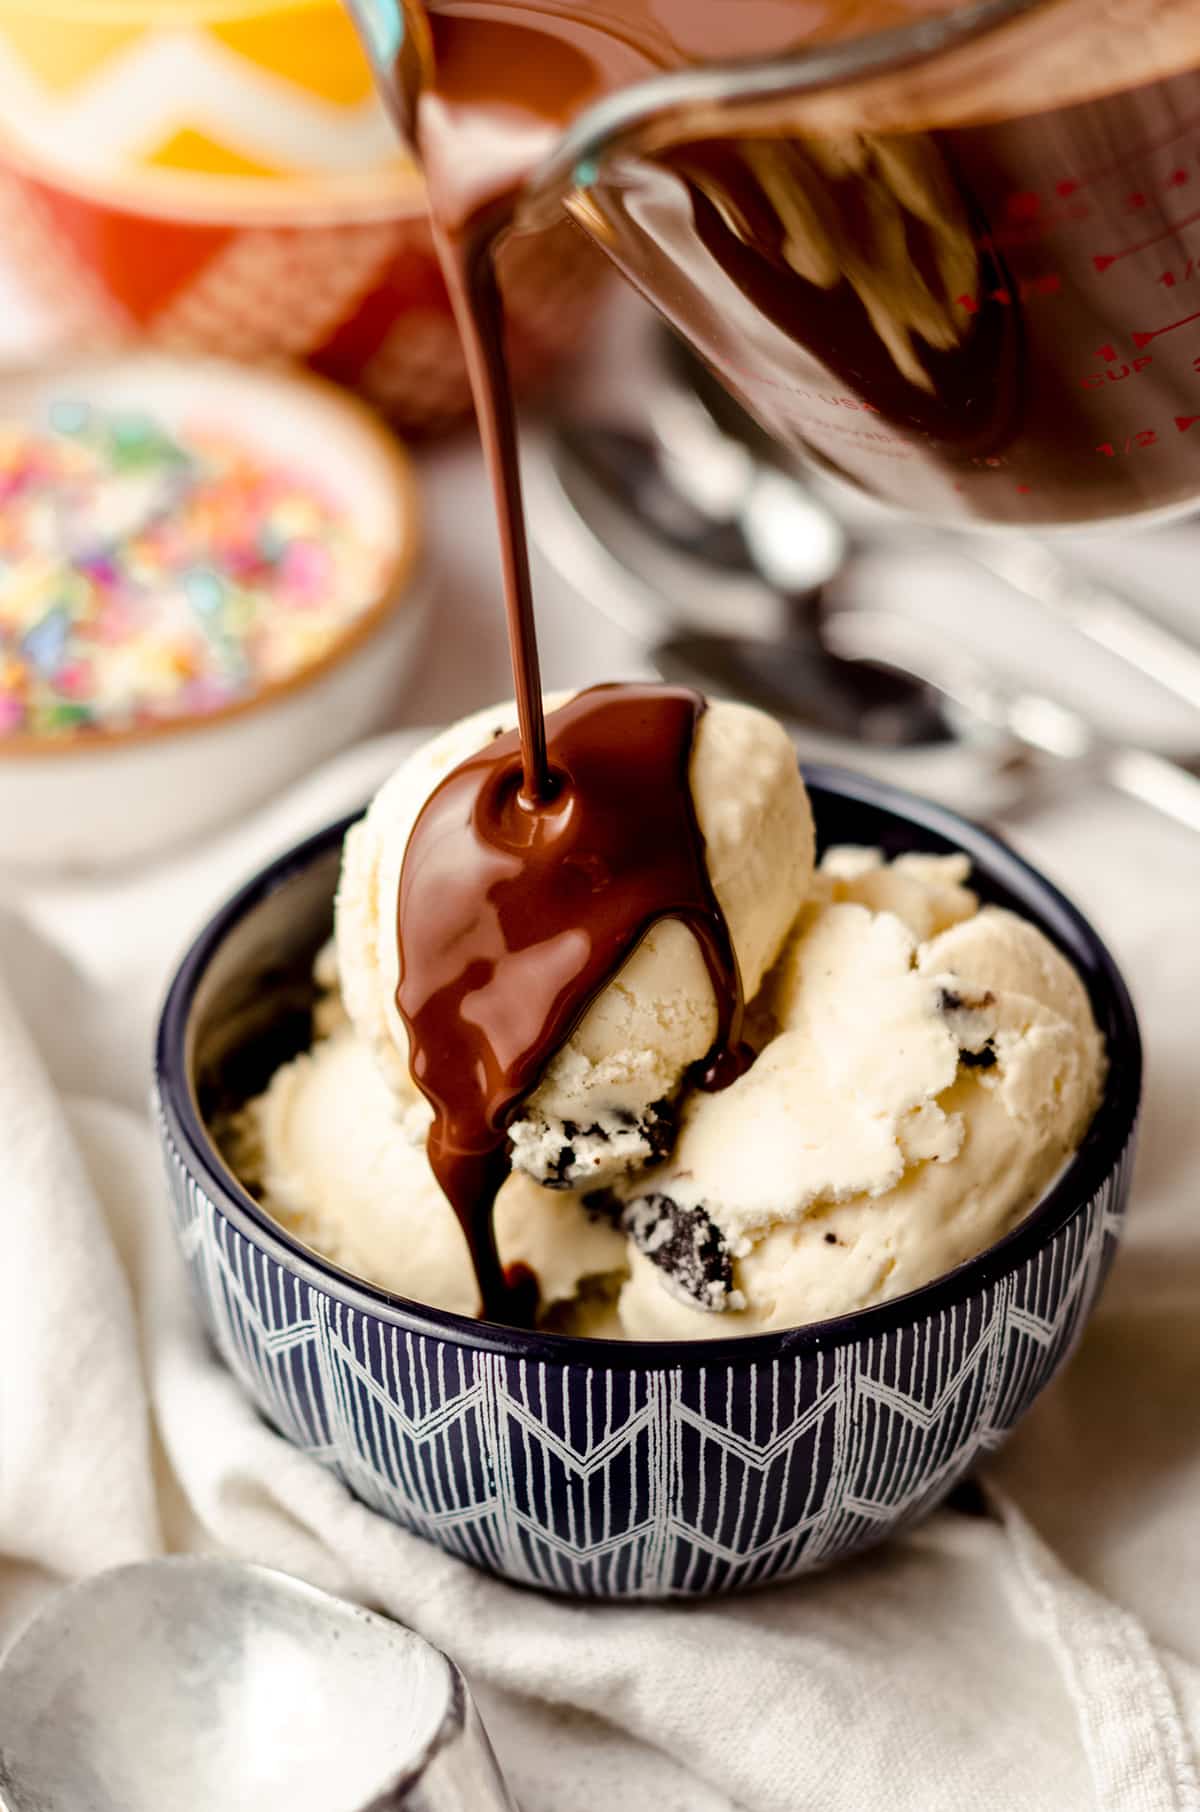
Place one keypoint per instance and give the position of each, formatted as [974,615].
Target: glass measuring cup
[956,261]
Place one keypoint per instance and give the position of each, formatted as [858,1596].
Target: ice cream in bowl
[675,1187]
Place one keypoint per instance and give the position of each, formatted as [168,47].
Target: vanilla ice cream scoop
[338,1158]
[605,1102]
[916,1099]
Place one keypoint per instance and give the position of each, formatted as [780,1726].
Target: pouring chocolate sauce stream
[537,866]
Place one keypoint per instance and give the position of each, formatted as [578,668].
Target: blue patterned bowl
[619,1470]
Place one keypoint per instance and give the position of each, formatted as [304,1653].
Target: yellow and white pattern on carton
[180,103]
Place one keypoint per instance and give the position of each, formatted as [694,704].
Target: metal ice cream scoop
[196,1683]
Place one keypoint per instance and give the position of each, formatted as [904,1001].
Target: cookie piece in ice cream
[917,1099]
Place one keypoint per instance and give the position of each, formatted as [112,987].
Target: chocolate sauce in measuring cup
[969,283]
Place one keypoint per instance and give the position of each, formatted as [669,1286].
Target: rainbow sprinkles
[151,575]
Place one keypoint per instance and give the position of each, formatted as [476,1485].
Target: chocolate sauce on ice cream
[513,916]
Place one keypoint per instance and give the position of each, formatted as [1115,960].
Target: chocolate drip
[468,263]
[512,919]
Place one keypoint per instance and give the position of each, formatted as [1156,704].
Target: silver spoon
[1041,726]
[874,690]
[839,710]
[664,521]
[1017,726]
[192,1683]
[682,572]
[1023,561]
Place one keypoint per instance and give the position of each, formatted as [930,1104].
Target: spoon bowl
[194,1683]
[860,700]
[611,515]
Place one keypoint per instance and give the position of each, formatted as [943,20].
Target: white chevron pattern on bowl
[607,1481]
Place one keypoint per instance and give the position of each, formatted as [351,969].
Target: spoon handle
[1152,779]
[1096,611]
[1034,721]
[1156,781]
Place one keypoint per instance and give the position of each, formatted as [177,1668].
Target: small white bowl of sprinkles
[210,579]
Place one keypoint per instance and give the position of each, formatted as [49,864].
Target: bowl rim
[399,590]
[1097,1159]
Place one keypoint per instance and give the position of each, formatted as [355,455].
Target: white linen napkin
[1043,1655]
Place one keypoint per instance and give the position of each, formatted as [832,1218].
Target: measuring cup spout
[395,35]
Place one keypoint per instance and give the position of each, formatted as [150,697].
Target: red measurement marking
[1049,285]
[1145,437]
[1023,205]
[1024,489]
[1102,260]
[1065,188]
[1116,374]
[1144,339]
[1184,422]
[1107,353]
[1177,179]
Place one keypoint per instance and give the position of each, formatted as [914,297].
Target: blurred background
[221,178]
[182,182]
